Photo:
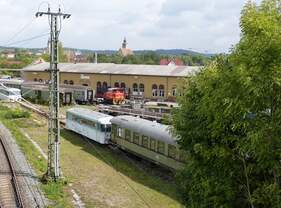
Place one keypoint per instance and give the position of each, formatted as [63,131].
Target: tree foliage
[150,58]
[230,118]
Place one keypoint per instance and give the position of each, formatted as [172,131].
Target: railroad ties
[10,196]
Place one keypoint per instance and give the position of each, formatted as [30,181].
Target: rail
[14,181]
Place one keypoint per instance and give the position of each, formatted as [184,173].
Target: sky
[202,25]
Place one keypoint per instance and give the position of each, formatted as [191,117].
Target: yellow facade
[168,84]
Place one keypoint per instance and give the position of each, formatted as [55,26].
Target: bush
[17,113]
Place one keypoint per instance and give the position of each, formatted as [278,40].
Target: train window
[152,144]
[172,151]
[114,130]
[128,135]
[160,147]
[105,128]
[120,132]
[145,141]
[136,138]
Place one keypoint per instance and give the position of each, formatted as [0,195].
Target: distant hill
[165,52]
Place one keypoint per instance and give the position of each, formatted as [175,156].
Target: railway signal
[53,171]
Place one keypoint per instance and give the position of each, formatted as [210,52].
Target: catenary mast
[53,171]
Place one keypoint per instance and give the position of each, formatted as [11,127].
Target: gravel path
[32,196]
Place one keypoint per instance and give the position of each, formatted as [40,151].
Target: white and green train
[146,139]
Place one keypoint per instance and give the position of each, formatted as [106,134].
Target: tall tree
[230,120]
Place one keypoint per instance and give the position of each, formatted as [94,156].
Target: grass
[102,177]
[53,191]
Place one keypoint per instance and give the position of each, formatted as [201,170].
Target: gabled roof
[119,69]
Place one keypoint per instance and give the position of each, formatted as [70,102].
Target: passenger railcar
[13,83]
[91,124]
[160,107]
[147,139]
[9,94]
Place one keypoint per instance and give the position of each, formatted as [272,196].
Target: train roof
[90,115]
[145,127]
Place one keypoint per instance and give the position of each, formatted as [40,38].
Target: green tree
[230,118]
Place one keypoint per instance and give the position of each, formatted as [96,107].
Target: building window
[86,85]
[161,90]
[174,91]
[35,79]
[141,87]
[145,141]
[99,87]
[128,135]
[161,147]
[135,87]
[65,82]
[71,82]
[40,80]
[172,151]
[116,84]
[104,86]
[136,138]
[123,85]
[154,90]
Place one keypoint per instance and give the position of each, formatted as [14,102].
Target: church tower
[124,51]
[124,44]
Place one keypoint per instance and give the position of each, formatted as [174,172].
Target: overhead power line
[27,40]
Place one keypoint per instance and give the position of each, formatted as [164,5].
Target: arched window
[141,88]
[35,79]
[104,86]
[65,82]
[154,90]
[174,91]
[99,87]
[161,90]
[71,82]
[135,87]
[40,80]
[116,84]
[123,85]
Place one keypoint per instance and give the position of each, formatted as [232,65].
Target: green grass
[53,191]
[102,177]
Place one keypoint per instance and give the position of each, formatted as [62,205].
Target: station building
[148,81]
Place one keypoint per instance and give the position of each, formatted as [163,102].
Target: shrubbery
[17,113]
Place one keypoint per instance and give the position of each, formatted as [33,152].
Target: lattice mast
[53,171]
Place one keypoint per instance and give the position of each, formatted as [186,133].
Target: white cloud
[147,24]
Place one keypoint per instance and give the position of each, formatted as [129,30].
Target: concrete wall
[91,80]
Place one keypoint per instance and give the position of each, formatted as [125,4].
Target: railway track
[10,195]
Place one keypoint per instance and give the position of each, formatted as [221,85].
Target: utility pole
[53,171]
